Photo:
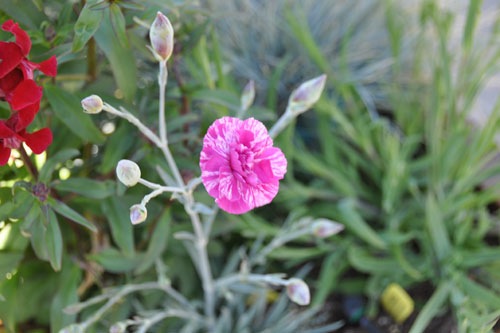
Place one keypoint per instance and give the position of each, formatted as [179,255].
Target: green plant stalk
[431,308]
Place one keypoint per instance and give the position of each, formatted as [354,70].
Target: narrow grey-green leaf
[68,110]
[355,223]
[66,211]
[86,25]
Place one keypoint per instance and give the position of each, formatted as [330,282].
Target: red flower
[17,86]
[10,138]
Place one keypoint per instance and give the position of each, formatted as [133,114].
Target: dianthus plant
[240,169]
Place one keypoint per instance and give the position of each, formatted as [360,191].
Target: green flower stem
[270,279]
[162,82]
[279,241]
[114,298]
[285,119]
[204,269]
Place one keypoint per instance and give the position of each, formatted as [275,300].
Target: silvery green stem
[203,263]
[128,289]
[271,279]
[155,186]
[134,121]
[153,320]
[279,241]
[162,82]
[285,119]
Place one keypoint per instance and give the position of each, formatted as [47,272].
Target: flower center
[242,163]
[12,142]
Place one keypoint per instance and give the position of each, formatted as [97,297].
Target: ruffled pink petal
[233,207]
[261,136]
[276,159]
[22,38]
[38,141]
[4,155]
[10,57]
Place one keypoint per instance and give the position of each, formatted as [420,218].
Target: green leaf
[437,229]
[118,23]
[365,262]
[53,240]
[38,233]
[87,187]
[51,163]
[63,209]
[431,308]
[158,242]
[115,261]
[220,97]
[355,223]
[66,294]
[121,227]
[86,25]
[68,110]
[120,58]
[9,261]
[478,292]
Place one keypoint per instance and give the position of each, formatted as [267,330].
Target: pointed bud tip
[298,291]
[308,93]
[323,228]
[138,214]
[161,35]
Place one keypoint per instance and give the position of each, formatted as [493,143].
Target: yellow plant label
[396,301]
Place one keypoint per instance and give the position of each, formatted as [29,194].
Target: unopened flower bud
[308,93]
[92,104]
[119,327]
[128,172]
[298,292]
[161,35]
[323,228]
[138,214]
[248,95]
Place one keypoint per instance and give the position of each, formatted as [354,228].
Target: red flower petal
[22,38]
[5,131]
[38,141]
[4,155]
[25,94]
[49,66]
[10,57]
[9,82]
[26,116]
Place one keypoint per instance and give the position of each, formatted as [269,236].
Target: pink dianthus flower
[240,168]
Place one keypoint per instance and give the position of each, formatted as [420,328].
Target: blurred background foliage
[389,151]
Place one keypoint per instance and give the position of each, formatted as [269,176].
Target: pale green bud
[308,93]
[92,104]
[323,228]
[138,214]
[161,35]
[298,291]
[128,172]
